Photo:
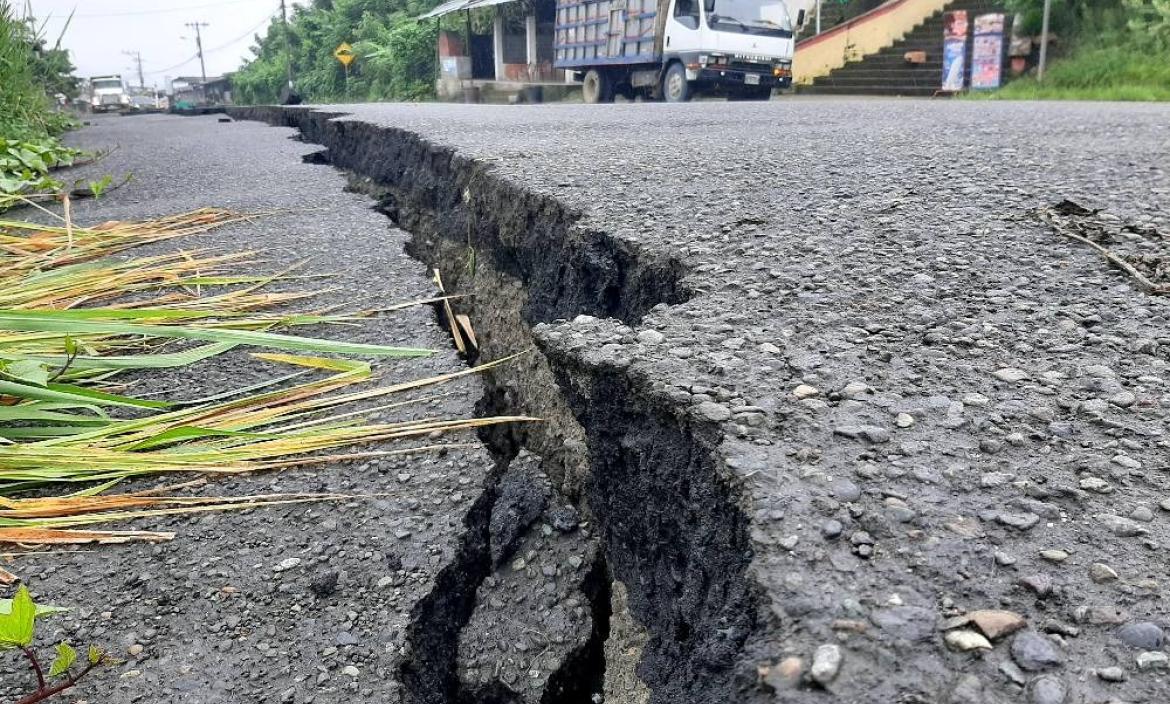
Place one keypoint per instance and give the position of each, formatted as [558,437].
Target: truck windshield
[107,83]
[766,17]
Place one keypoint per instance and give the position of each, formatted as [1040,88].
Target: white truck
[673,50]
[108,93]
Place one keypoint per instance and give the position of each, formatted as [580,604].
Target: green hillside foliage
[1105,50]
[395,54]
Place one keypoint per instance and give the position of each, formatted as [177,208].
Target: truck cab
[108,93]
[675,49]
[738,48]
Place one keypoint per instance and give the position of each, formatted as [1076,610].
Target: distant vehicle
[147,99]
[108,93]
[675,49]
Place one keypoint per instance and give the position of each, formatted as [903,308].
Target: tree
[395,54]
[1150,20]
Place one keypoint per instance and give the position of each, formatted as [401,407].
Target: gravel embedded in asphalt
[1015,386]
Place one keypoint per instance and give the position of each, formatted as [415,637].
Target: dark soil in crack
[637,469]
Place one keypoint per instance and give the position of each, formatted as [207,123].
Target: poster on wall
[954,50]
[987,52]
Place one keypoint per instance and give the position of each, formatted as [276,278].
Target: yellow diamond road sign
[344,53]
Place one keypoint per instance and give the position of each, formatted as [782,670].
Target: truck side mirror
[800,18]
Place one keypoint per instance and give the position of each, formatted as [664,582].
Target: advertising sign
[987,52]
[954,50]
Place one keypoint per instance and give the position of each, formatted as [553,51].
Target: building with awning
[517,54]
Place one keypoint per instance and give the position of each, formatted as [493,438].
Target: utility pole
[199,47]
[1044,41]
[137,56]
[287,46]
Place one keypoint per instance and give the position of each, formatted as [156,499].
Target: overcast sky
[102,29]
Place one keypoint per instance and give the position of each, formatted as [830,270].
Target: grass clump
[1096,73]
[73,322]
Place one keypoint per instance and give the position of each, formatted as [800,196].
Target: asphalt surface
[227,611]
[923,401]
[928,402]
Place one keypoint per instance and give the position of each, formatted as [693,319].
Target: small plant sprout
[99,187]
[17,628]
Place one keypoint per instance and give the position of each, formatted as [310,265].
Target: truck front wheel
[597,87]
[675,88]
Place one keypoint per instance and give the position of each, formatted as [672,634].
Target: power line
[209,51]
[181,64]
[225,45]
[164,10]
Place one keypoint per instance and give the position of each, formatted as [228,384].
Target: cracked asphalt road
[940,428]
[929,403]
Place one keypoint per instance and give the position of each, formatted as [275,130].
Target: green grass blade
[65,393]
[50,321]
[167,360]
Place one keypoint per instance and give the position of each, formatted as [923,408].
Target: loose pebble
[826,663]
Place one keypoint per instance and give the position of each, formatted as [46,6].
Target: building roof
[450,6]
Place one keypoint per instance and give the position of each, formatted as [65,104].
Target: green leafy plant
[1150,19]
[18,618]
[98,187]
[25,165]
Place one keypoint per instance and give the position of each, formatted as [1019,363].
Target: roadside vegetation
[394,53]
[1105,50]
[31,72]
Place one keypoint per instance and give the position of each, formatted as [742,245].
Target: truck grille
[109,100]
[749,66]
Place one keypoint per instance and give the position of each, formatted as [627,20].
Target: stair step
[900,51]
[896,63]
[932,83]
[864,68]
[895,77]
[861,75]
[868,90]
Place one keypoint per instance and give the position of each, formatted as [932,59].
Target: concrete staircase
[888,73]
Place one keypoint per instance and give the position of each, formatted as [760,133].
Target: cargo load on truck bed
[608,32]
